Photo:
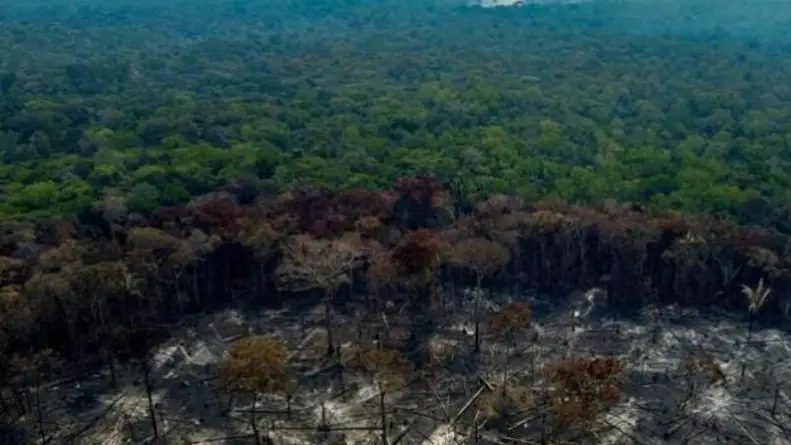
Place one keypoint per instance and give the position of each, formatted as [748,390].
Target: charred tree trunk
[383,416]
[20,397]
[112,368]
[196,284]
[328,321]
[477,315]
[108,349]
[505,368]
[149,395]
[254,421]
[341,373]
[3,403]
[423,323]
[73,345]
[750,324]
[258,298]
[40,413]
[774,401]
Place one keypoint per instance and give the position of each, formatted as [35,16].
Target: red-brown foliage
[749,237]
[512,317]
[170,214]
[358,203]
[552,246]
[324,214]
[417,254]
[584,387]
[216,214]
[307,207]
[423,189]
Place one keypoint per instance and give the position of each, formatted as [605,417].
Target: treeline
[101,287]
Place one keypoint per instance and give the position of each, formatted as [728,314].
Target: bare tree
[263,240]
[256,365]
[148,257]
[32,371]
[97,286]
[133,342]
[18,321]
[317,264]
[389,370]
[483,257]
[194,250]
[48,290]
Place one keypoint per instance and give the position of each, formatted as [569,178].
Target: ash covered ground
[661,402]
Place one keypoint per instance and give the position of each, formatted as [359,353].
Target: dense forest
[538,102]
[387,160]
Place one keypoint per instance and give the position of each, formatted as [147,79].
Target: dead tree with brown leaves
[256,365]
[583,388]
[506,324]
[413,263]
[317,264]
[484,258]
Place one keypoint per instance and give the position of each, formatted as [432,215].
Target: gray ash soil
[661,403]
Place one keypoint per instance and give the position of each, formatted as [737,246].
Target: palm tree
[756,297]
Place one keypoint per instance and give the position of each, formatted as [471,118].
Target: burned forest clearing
[671,375]
[360,317]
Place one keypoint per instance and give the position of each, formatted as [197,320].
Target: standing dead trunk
[259,297]
[774,402]
[484,258]
[111,366]
[477,315]
[149,395]
[750,324]
[3,403]
[22,405]
[341,372]
[505,369]
[40,413]
[131,428]
[254,421]
[105,344]
[196,285]
[328,321]
[383,416]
